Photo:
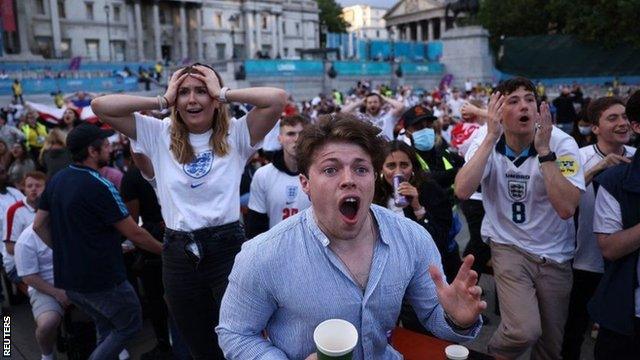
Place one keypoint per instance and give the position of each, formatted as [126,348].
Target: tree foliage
[331,16]
[607,22]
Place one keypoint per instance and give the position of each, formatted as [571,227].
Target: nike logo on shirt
[193,186]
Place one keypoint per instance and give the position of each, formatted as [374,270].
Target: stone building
[366,22]
[134,30]
[417,20]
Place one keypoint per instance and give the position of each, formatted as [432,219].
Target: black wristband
[551,156]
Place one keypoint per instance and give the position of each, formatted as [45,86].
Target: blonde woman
[198,155]
[54,155]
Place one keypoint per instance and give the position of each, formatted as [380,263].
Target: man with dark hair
[341,258]
[565,112]
[275,188]
[609,122]
[531,183]
[373,111]
[83,218]
[616,222]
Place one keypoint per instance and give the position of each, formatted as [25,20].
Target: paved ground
[24,346]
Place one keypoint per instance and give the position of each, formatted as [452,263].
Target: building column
[183,33]
[428,25]
[407,32]
[156,31]
[419,31]
[350,46]
[443,26]
[55,28]
[199,54]
[433,29]
[396,32]
[248,32]
[280,36]
[274,36]
[258,26]
[138,20]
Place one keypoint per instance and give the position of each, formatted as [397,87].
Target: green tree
[607,22]
[331,16]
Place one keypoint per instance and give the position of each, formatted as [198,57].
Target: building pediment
[407,7]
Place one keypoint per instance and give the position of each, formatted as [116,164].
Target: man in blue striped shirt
[82,218]
[342,258]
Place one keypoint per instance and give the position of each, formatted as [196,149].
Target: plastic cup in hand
[335,339]
[456,352]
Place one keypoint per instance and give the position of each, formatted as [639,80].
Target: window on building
[65,48]
[377,34]
[217,20]
[286,52]
[284,27]
[117,47]
[61,12]
[88,9]
[297,29]
[117,13]
[40,7]
[92,49]
[221,51]
[265,22]
[45,46]
[162,14]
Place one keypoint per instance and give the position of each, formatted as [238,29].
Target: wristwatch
[551,156]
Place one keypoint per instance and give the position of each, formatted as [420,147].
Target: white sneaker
[124,355]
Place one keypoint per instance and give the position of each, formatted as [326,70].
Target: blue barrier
[361,68]
[44,86]
[380,49]
[434,50]
[283,67]
[422,68]
[12,66]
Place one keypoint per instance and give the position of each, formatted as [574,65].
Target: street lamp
[106,10]
[233,19]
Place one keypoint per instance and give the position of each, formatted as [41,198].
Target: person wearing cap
[420,127]
[531,179]
[82,218]
[198,156]
[616,222]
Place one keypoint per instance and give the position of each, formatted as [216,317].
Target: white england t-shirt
[588,255]
[607,219]
[12,196]
[270,142]
[517,208]
[277,194]
[476,139]
[204,192]
[386,122]
[33,256]
[17,217]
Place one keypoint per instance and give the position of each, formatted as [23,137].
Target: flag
[8,16]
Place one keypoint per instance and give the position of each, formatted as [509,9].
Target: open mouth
[524,119]
[622,131]
[349,207]
[194,111]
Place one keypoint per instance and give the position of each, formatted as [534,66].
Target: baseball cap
[417,114]
[83,135]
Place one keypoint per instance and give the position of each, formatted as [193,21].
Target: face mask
[424,139]
[584,130]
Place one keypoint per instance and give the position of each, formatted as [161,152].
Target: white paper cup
[335,339]
[456,352]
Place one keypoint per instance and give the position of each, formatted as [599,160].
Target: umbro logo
[193,186]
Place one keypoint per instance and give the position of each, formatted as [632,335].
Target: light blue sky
[377,3]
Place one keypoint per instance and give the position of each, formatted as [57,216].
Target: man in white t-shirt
[616,222]
[275,188]
[610,124]
[455,103]
[531,183]
[374,113]
[34,262]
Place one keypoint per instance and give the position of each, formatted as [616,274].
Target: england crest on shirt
[291,194]
[517,189]
[200,166]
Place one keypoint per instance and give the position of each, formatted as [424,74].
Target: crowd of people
[250,219]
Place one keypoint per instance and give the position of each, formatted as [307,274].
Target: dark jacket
[613,304]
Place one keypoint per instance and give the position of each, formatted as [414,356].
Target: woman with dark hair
[20,165]
[70,119]
[427,204]
[198,154]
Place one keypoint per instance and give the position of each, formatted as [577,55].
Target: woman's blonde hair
[180,146]
[56,136]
